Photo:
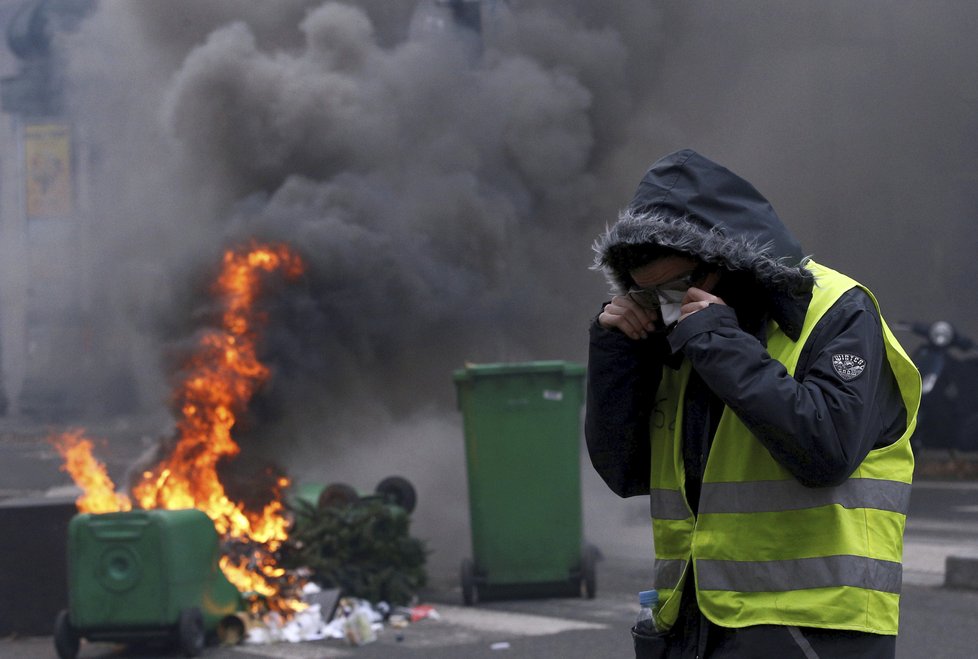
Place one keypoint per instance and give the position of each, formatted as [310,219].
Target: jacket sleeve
[622,376]
[818,424]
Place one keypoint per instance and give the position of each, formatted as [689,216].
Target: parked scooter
[948,364]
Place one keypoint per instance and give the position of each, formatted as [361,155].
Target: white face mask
[670,305]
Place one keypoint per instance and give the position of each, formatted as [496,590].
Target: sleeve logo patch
[849,367]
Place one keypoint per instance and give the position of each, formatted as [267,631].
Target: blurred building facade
[46,297]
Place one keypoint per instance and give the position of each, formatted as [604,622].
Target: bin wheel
[469,593]
[589,570]
[190,631]
[66,639]
[398,491]
[338,495]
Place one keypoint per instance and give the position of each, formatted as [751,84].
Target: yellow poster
[47,150]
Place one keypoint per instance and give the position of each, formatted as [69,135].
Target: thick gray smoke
[442,189]
[445,189]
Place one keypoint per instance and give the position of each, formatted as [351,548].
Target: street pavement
[935,621]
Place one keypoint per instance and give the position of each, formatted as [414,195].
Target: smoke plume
[444,186]
[441,185]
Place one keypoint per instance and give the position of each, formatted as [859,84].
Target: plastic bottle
[647,601]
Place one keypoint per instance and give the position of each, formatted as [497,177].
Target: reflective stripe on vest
[668,572]
[668,504]
[799,574]
[777,496]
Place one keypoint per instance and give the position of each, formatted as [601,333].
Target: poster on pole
[47,151]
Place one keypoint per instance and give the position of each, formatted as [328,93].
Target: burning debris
[218,382]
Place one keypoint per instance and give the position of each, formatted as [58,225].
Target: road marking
[521,624]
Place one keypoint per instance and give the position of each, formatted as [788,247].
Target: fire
[99,491]
[219,380]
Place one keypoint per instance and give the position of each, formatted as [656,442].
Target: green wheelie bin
[141,574]
[522,427]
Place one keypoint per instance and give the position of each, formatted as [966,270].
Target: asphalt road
[935,621]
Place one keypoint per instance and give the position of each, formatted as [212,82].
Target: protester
[762,403]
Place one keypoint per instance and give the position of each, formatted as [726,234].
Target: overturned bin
[144,574]
[358,542]
[522,446]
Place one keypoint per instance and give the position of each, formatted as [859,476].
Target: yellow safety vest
[765,549]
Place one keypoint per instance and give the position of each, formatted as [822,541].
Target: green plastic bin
[522,437]
[141,574]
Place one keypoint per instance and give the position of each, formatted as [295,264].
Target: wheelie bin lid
[518,368]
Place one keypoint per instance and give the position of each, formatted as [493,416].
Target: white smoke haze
[444,191]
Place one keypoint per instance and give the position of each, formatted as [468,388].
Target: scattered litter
[305,625]
[398,621]
[326,616]
[423,611]
[360,622]
[327,599]
[503,645]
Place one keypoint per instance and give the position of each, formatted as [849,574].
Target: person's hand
[696,300]
[628,317]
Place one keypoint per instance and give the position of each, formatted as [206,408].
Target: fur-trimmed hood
[690,204]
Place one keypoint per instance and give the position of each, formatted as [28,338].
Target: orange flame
[99,495]
[220,379]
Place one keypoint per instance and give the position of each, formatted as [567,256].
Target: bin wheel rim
[66,638]
[398,490]
[190,631]
[469,591]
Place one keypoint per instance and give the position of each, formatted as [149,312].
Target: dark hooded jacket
[817,424]
[692,205]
